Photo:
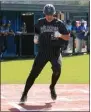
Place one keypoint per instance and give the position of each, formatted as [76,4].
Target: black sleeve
[62,29]
[37,28]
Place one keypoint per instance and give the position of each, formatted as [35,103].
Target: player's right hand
[36,39]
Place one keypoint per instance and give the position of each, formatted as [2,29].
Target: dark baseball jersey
[48,44]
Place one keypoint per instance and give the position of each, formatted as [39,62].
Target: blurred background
[17,19]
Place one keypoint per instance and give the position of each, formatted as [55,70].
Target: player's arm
[37,32]
[65,37]
[63,32]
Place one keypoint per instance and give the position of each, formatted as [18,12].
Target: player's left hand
[57,34]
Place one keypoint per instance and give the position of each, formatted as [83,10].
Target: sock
[55,77]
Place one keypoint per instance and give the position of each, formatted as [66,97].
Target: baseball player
[50,34]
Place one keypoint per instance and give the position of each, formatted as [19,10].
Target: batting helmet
[49,9]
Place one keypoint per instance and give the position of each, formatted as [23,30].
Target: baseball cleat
[23,99]
[53,93]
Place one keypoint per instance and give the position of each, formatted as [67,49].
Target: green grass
[75,70]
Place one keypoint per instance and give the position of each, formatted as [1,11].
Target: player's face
[49,18]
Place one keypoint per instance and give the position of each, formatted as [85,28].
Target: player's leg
[56,68]
[38,65]
[71,43]
[78,44]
